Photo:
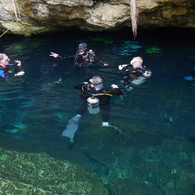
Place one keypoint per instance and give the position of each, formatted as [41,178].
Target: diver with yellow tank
[94,97]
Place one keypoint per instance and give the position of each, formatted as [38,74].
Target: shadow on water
[157,117]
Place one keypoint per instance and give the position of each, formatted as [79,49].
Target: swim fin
[72,127]
[106,124]
[189,78]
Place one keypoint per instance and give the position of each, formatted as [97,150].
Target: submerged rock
[11,130]
[26,173]
[19,125]
[62,115]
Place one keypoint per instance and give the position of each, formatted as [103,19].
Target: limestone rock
[30,173]
[38,16]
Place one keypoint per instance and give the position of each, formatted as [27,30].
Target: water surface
[35,111]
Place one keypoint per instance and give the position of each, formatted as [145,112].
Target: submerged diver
[135,74]
[9,70]
[95,97]
[83,59]
[191,78]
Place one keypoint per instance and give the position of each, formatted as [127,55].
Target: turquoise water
[35,111]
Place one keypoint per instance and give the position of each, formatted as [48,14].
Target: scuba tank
[91,55]
[138,81]
[93,105]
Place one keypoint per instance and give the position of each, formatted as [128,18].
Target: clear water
[39,111]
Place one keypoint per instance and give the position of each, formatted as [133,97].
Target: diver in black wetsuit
[83,59]
[95,89]
[135,74]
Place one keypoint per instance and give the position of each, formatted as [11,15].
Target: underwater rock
[127,48]
[62,115]
[38,173]
[130,186]
[163,114]
[19,125]
[25,97]
[11,130]
[26,101]
[27,104]
[47,86]
[16,133]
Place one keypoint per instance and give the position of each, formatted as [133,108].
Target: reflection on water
[156,152]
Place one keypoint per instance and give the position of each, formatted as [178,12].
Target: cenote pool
[155,155]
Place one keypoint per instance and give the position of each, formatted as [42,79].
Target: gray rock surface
[38,16]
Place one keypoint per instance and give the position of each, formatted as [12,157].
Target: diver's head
[4,60]
[96,82]
[136,62]
[82,47]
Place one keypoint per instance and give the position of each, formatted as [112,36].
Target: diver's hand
[120,67]
[189,78]
[106,64]
[21,73]
[114,86]
[19,63]
[55,55]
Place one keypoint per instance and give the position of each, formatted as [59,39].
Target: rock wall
[40,16]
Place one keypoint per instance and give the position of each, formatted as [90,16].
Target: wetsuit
[103,95]
[83,62]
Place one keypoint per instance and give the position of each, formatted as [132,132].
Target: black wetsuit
[104,99]
[83,62]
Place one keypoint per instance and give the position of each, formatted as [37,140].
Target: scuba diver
[191,78]
[9,70]
[135,74]
[83,59]
[95,97]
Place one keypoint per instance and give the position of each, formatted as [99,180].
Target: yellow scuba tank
[93,105]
